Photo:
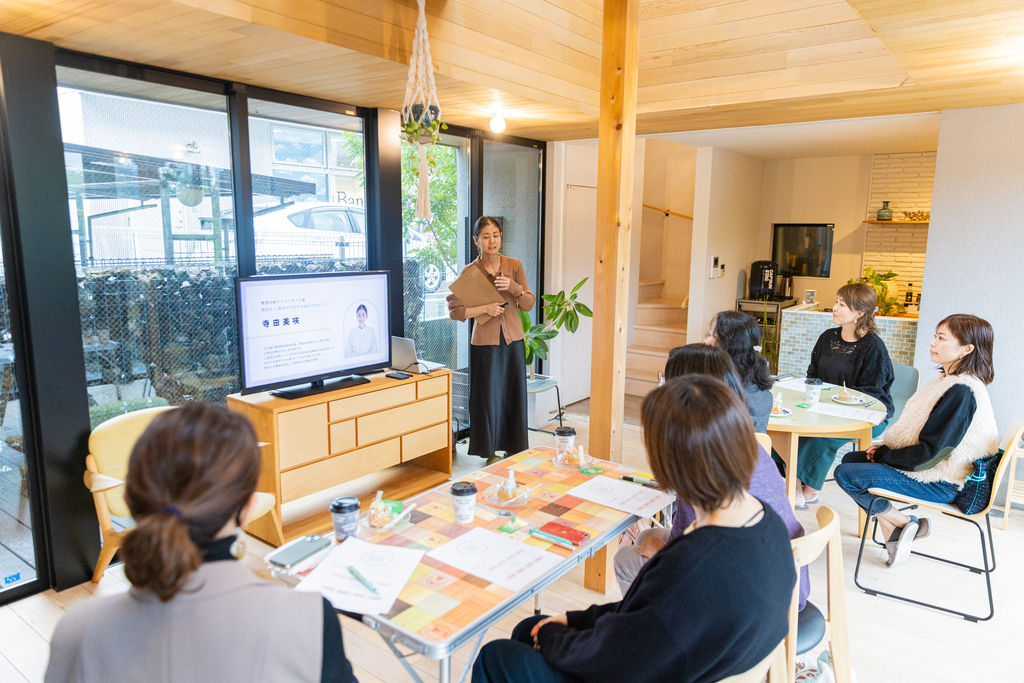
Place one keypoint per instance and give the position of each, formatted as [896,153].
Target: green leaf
[573,322]
[541,345]
[541,353]
[529,356]
[524,320]
[550,334]
[549,297]
[578,285]
[561,298]
[584,311]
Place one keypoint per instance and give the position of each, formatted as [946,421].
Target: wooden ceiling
[703,63]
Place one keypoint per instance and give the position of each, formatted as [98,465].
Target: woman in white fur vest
[945,427]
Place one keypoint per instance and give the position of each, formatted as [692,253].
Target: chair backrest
[905,385]
[1015,426]
[110,445]
[807,549]
[1013,450]
[757,673]
[764,441]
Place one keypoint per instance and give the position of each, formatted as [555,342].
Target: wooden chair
[807,628]
[764,441]
[1014,488]
[110,446]
[1010,454]
[772,665]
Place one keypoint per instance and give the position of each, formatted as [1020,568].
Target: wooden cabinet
[389,434]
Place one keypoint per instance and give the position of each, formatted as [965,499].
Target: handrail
[667,212]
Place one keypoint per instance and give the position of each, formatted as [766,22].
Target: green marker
[362,579]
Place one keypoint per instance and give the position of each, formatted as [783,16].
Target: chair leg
[558,398]
[106,555]
[1011,477]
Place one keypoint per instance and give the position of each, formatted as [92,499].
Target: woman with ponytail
[193,612]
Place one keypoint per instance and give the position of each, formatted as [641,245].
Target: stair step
[639,387]
[660,312]
[650,290]
[666,336]
[647,350]
[662,302]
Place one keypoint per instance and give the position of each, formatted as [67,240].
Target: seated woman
[766,485]
[945,427]
[853,354]
[710,604]
[194,613]
[738,333]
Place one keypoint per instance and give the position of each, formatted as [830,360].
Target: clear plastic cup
[812,389]
[464,501]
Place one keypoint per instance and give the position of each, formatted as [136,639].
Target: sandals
[903,543]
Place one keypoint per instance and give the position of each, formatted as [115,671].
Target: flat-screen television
[310,328]
[803,249]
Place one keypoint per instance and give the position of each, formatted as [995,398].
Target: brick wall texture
[801,329]
[905,181]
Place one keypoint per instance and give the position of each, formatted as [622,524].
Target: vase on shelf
[885,213]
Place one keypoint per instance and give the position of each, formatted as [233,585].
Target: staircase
[660,327]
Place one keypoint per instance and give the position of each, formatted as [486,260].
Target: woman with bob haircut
[194,613]
[740,336]
[852,354]
[765,484]
[711,603]
[946,426]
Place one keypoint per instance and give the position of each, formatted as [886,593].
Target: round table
[785,432]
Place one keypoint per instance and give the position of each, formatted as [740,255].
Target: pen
[362,579]
[642,480]
[870,403]
[552,539]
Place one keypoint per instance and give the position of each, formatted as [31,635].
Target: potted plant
[887,305]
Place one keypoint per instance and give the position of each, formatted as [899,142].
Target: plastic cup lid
[812,381]
[565,431]
[346,504]
[463,488]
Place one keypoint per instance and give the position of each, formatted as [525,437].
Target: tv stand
[320,387]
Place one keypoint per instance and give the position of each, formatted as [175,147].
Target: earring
[238,546]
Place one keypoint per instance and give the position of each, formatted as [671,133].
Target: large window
[435,251]
[311,216]
[149,193]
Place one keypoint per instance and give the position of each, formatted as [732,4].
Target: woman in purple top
[767,485]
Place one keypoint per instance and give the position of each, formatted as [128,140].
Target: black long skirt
[497,399]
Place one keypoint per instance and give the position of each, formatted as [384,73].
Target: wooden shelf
[898,222]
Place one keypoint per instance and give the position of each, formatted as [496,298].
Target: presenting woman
[852,354]
[195,613]
[738,333]
[497,353]
[710,604]
[945,427]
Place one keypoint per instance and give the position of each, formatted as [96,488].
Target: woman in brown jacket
[497,353]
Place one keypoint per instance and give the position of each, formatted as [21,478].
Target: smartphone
[574,536]
[398,375]
[297,552]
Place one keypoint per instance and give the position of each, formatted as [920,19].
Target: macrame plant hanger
[421,112]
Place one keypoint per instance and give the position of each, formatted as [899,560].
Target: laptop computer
[403,357]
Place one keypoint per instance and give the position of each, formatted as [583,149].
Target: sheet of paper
[860,414]
[474,289]
[388,568]
[496,558]
[642,501]
[798,384]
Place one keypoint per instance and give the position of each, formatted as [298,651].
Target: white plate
[854,400]
[786,412]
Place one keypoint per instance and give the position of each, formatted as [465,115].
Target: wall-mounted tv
[803,249]
[309,328]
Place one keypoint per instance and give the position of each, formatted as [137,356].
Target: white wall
[976,241]
[726,223]
[824,190]
[669,171]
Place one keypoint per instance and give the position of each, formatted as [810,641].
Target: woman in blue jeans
[711,603]
[945,427]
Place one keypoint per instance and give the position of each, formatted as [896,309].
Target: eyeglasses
[709,335]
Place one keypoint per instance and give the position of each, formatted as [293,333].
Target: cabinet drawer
[431,387]
[425,441]
[303,435]
[372,402]
[343,436]
[303,481]
[396,421]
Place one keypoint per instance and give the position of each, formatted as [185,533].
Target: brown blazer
[518,296]
[226,626]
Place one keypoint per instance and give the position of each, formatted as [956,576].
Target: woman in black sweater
[740,336]
[710,604]
[851,354]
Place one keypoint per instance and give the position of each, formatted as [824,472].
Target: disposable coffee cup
[812,389]
[464,501]
[345,515]
[565,438]
[809,295]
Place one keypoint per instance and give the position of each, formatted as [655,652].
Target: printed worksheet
[642,501]
[859,414]
[798,385]
[496,558]
[384,567]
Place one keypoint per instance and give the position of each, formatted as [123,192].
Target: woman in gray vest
[194,613]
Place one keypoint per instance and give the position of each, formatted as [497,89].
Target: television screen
[803,249]
[296,329]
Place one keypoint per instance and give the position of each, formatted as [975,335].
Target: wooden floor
[891,642]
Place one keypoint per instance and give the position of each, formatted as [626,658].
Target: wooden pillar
[617,130]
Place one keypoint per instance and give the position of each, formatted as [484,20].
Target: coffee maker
[762,280]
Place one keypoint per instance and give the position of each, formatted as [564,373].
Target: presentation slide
[303,327]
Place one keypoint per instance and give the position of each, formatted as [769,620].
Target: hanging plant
[421,112]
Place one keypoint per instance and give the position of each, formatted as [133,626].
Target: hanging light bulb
[497,124]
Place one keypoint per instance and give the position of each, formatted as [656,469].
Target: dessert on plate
[844,394]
